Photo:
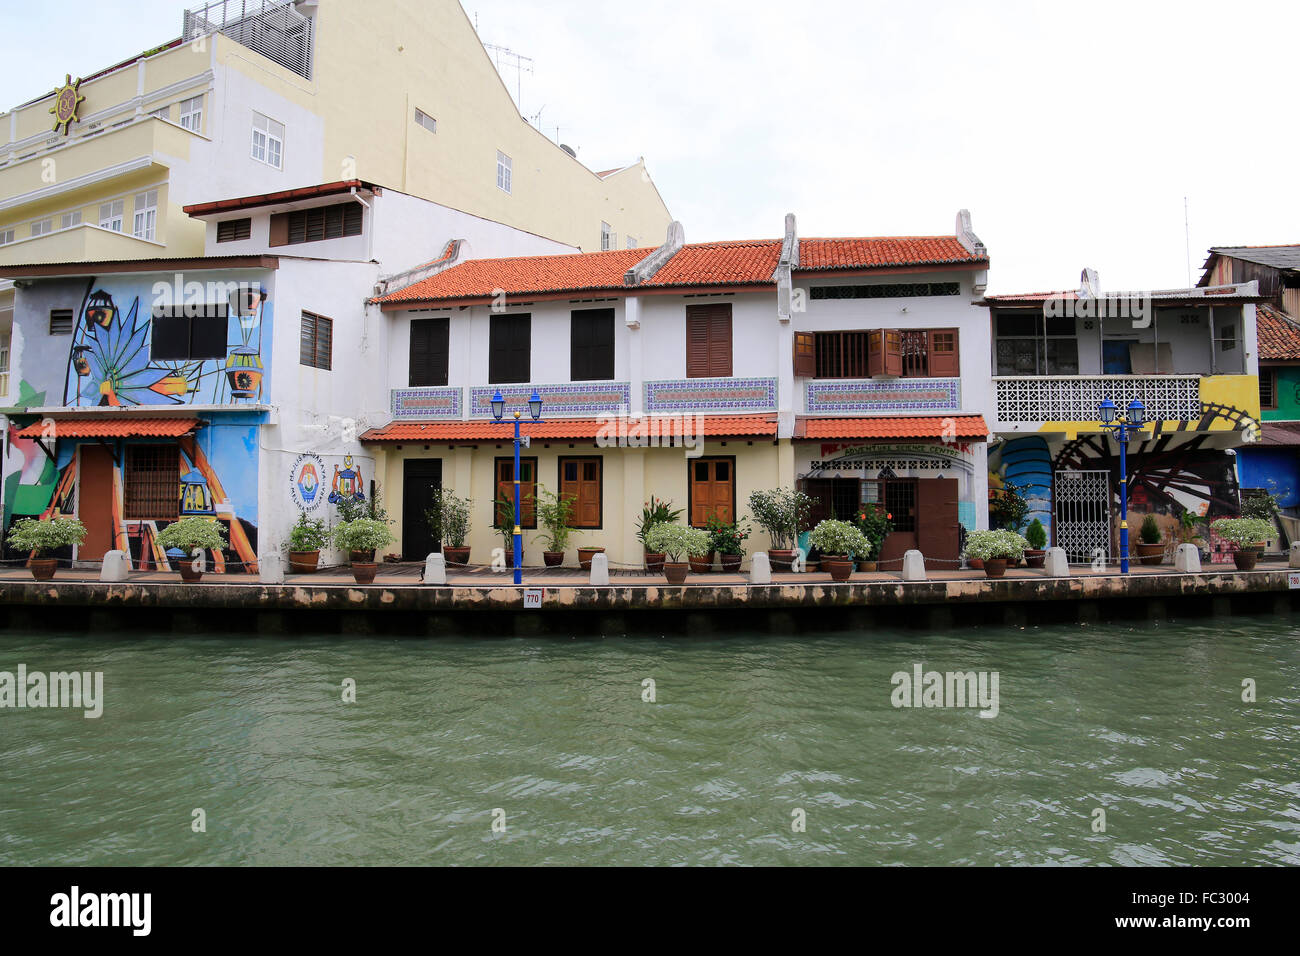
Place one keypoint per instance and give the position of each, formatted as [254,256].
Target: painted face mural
[168,343]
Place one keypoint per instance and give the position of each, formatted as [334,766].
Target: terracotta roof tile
[965,427]
[883,251]
[115,427]
[1277,333]
[712,426]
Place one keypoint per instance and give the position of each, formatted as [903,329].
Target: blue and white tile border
[569,401]
[711,395]
[869,396]
[434,402]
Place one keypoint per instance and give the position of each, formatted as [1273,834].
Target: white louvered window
[503,171]
[110,215]
[192,114]
[146,215]
[70,219]
[268,141]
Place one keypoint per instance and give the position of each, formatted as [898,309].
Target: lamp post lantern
[1132,419]
[498,412]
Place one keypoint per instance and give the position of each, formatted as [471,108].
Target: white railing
[271,27]
[1051,398]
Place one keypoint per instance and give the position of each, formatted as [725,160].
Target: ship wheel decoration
[66,102]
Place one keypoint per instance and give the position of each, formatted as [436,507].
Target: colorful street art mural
[1027,464]
[113,357]
[347,484]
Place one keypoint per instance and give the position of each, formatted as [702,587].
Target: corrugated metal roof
[1278,257]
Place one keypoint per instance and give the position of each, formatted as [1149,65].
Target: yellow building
[301,93]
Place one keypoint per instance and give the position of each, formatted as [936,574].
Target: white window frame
[70,219]
[608,238]
[424,119]
[145,224]
[192,114]
[4,364]
[42,227]
[6,236]
[162,112]
[504,172]
[267,142]
[111,215]
[631,242]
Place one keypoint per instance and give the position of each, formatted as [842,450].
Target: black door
[421,477]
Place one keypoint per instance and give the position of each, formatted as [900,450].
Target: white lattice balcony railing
[1050,398]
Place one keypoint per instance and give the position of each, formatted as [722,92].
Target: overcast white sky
[1071,132]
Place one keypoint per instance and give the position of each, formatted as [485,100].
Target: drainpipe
[370,233]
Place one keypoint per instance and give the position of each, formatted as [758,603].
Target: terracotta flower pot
[839,566]
[702,564]
[363,572]
[43,568]
[995,567]
[188,574]
[867,566]
[780,558]
[362,557]
[1035,557]
[304,562]
[1245,558]
[1151,554]
[553,559]
[731,562]
[675,571]
[585,555]
[654,562]
[457,556]
[976,563]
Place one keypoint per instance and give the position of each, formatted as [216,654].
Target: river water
[746,736]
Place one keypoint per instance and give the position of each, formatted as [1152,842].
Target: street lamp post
[498,411]
[1133,419]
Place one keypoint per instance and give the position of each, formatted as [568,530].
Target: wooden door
[95,501]
[938,531]
[712,490]
[421,479]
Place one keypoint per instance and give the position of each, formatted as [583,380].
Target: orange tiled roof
[739,262]
[964,427]
[712,426]
[114,427]
[1277,333]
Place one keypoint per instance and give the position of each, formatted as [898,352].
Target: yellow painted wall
[630,477]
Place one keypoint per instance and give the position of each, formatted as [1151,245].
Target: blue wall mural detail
[1026,463]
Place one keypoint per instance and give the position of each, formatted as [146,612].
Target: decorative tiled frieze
[711,395]
[869,396]
[1057,399]
[568,401]
[428,402]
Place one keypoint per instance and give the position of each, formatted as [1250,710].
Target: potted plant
[995,549]
[876,524]
[675,542]
[1036,553]
[360,537]
[840,542]
[1151,545]
[189,535]
[43,538]
[306,538]
[1248,534]
[656,511]
[554,512]
[585,555]
[728,540]
[782,513]
[449,522]
[506,529]
[1188,530]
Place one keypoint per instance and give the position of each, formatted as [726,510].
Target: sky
[1112,135]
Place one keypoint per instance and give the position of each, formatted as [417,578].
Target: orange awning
[711,426]
[117,426]
[965,427]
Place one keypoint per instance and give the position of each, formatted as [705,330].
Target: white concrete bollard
[600,570]
[913,566]
[1057,563]
[760,568]
[1188,559]
[1295,554]
[116,566]
[270,568]
[435,569]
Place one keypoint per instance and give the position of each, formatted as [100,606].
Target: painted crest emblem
[305,478]
[67,100]
[347,483]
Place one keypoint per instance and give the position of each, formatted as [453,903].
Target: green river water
[1146,723]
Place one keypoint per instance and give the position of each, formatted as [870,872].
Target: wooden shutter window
[712,490]
[580,480]
[527,490]
[509,343]
[233,230]
[708,341]
[317,341]
[805,354]
[893,352]
[944,354]
[151,487]
[591,345]
[279,229]
[876,352]
[430,355]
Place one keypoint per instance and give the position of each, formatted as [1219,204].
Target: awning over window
[963,427]
[711,426]
[117,426]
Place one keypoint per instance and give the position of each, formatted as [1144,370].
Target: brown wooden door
[937,529]
[713,490]
[95,501]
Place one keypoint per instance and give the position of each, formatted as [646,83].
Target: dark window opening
[509,347]
[232,230]
[317,344]
[591,345]
[180,337]
[151,488]
[430,355]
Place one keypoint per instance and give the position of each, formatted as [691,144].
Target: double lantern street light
[1121,423]
[498,412]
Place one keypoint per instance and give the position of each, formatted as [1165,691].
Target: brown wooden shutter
[805,355]
[893,352]
[876,352]
[429,352]
[280,229]
[937,527]
[527,490]
[697,344]
[713,482]
[708,341]
[944,353]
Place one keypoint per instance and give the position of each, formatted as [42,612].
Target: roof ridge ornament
[452,253]
[966,235]
[645,270]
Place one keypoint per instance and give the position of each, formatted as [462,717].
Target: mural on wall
[347,483]
[29,474]
[111,357]
[1027,464]
[307,482]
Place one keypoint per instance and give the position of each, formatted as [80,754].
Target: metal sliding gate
[1082,508]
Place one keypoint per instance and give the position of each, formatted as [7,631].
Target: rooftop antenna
[1187,238]
[522,64]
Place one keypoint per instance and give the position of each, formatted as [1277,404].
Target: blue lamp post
[1121,423]
[498,411]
